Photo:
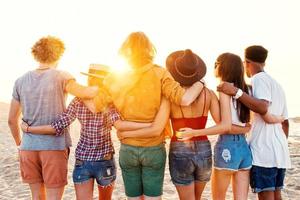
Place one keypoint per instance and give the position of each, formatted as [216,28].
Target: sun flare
[119,66]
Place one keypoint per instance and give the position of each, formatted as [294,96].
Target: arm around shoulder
[191,93]
[81,91]
[256,105]
[178,95]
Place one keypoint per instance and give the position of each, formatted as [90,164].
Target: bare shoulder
[209,93]
[212,93]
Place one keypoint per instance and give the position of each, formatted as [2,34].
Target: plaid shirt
[95,140]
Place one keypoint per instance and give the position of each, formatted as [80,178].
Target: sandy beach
[13,188]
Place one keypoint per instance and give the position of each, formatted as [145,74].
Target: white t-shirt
[268,142]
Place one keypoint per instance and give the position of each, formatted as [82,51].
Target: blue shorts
[190,161]
[266,179]
[232,152]
[103,171]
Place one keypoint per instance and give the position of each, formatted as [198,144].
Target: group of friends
[146,105]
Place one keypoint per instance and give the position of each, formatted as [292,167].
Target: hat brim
[93,75]
[186,81]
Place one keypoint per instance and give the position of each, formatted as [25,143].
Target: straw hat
[97,71]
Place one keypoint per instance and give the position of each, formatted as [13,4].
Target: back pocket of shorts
[224,154]
[180,166]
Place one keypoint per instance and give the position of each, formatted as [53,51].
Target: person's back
[151,82]
[190,161]
[40,93]
[138,98]
[192,116]
[268,141]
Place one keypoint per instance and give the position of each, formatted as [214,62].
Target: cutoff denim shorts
[232,152]
[104,171]
[190,161]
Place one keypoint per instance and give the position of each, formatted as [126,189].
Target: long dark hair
[230,69]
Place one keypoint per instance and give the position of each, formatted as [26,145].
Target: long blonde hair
[138,49]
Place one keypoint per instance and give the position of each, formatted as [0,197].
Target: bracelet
[27,129]
[238,94]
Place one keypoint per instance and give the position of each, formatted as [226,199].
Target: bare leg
[85,190]
[43,192]
[37,191]
[278,195]
[152,198]
[105,192]
[219,183]
[54,193]
[240,185]
[186,192]
[199,187]
[267,195]
[136,198]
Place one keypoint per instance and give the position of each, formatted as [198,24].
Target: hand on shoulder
[227,88]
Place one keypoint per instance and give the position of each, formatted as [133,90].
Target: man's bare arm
[13,120]
[259,106]
[191,93]
[285,127]
[84,92]
[272,119]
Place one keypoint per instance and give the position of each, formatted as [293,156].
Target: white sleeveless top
[234,113]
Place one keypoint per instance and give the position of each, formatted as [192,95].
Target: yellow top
[137,96]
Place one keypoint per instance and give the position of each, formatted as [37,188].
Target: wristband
[238,94]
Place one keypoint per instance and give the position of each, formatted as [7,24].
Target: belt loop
[108,156]
[220,138]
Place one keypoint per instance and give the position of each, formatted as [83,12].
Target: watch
[238,94]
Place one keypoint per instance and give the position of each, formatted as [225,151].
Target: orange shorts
[48,167]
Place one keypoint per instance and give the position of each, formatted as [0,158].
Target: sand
[11,186]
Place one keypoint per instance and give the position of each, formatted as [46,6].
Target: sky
[93,31]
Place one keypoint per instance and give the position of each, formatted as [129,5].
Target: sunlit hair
[48,50]
[138,49]
[230,68]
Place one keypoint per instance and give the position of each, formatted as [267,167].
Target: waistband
[197,138]
[161,145]
[232,138]
[108,156]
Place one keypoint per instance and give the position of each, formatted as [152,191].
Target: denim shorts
[143,169]
[190,161]
[266,179]
[103,171]
[232,152]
